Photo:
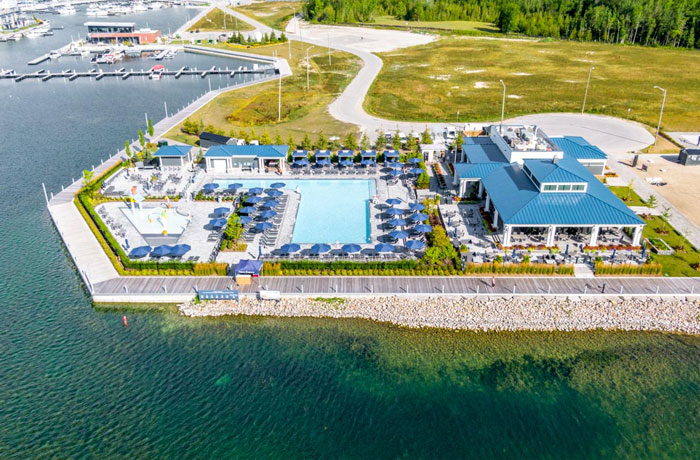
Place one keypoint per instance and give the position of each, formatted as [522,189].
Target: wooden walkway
[356,285]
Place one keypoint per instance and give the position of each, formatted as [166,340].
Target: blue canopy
[391,154]
[246,210]
[268,214]
[393,201]
[180,249]
[289,248]
[253,199]
[395,173]
[416,206]
[419,217]
[423,228]
[384,247]
[141,251]
[221,211]
[300,154]
[415,161]
[235,186]
[394,165]
[367,162]
[346,154]
[369,154]
[322,154]
[244,220]
[248,267]
[274,193]
[255,191]
[211,186]
[399,234]
[397,222]
[270,204]
[414,244]
[262,226]
[161,251]
[217,223]
[417,171]
[324,162]
[320,248]
[302,162]
[346,163]
[350,248]
[278,185]
[394,211]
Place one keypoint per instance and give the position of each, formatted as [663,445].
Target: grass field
[214,21]
[461,74]
[255,107]
[460,26]
[273,14]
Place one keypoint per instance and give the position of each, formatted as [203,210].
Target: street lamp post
[663,103]
[503,105]
[308,65]
[279,99]
[585,95]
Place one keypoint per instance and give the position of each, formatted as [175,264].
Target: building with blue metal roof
[174,156]
[236,158]
[530,180]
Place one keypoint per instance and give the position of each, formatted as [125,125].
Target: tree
[629,189]
[350,141]
[191,127]
[265,139]
[150,127]
[665,216]
[396,141]
[278,138]
[142,139]
[291,142]
[459,141]
[381,140]
[252,135]
[364,142]
[127,149]
[411,143]
[306,143]
[425,137]
[234,229]
[651,202]
[321,141]
[87,177]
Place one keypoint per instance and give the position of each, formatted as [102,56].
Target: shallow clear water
[75,383]
[330,211]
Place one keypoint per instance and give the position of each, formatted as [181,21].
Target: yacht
[155,5]
[34,33]
[54,54]
[139,6]
[66,10]
[93,10]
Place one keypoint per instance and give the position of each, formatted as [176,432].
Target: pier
[39,60]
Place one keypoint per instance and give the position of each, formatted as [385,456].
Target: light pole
[663,103]
[279,99]
[503,105]
[585,95]
[308,65]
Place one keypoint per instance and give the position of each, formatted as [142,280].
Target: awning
[248,267]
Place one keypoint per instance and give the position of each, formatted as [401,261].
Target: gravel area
[482,314]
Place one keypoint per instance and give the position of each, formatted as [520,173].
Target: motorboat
[93,10]
[54,54]
[155,6]
[7,73]
[157,72]
[66,10]
[139,6]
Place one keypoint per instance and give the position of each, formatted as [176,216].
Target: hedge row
[650,269]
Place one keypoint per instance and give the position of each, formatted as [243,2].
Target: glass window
[550,188]
[578,187]
[564,187]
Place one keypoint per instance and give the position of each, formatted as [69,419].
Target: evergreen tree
[350,141]
[278,138]
[150,127]
[321,142]
[292,144]
[306,143]
[396,141]
[364,142]
[265,139]
[425,137]
[142,139]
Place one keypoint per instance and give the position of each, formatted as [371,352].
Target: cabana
[236,158]
[247,268]
[299,154]
[369,154]
[345,155]
[322,155]
[389,154]
[174,156]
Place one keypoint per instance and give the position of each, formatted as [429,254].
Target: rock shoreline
[480,314]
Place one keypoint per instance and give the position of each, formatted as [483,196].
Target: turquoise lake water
[76,384]
[330,211]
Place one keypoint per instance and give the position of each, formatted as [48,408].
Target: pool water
[156,220]
[330,210]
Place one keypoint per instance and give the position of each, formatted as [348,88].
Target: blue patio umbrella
[395,173]
[395,165]
[270,204]
[274,193]
[302,162]
[320,248]
[346,163]
[399,234]
[217,223]
[180,249]
[255,191]
[416,207]
[419,217]
[513,256]
[384,247]
[414,161]
[289,248]
[253,199]
[351,248]
[211,186]
[221,211]
[161,251]
[393,201]
[141,251]
[235,186]
[246,210]
[268,214]
[397,222]
[324,162]
[244,220]
[262,226]
[613,254]
[394,211]
[414,244]
[367,162]
[423,228]
[566,253]
[417,171]
[278,185]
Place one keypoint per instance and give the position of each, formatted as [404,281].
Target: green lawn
[214,21]
[434,82]
[460,26]
[255,107]
[273,14]
[624,192]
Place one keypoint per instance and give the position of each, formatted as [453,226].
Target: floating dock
[39,60]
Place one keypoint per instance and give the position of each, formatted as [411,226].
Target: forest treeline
[646,22]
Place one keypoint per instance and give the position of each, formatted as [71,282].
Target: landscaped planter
[659,246]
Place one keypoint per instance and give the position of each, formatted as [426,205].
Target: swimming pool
[330,210]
